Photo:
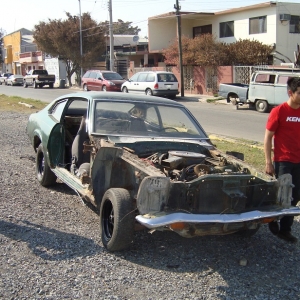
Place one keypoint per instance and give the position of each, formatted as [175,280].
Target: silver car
[15,80]
[152,83]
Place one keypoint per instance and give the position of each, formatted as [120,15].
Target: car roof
[104,71]
[118,96]
[157,72]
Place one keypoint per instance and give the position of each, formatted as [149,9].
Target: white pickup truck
[266,89]
[38,78]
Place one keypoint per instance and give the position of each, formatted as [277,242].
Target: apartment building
[272,23]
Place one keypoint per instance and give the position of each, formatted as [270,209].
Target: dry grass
[253,152]
[12,103]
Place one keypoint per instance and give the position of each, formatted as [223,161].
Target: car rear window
[166,78]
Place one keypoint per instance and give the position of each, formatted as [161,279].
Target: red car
[96,80]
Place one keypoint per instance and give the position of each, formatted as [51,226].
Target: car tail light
[156,85]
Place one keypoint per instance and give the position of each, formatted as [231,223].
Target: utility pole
[177,7]
[111,37]
[80,30]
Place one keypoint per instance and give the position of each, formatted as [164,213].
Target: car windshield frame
[143,119]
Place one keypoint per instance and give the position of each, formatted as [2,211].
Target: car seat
[80,160]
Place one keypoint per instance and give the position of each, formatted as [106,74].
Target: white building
[272,23]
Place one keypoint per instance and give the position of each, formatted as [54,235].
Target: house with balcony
[272,23]
[21,53]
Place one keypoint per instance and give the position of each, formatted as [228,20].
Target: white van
[156,83]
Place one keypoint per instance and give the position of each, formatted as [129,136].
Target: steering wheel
[172,128]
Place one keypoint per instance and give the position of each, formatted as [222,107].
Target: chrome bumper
[160,221]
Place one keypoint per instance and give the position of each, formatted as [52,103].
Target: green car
[147,160]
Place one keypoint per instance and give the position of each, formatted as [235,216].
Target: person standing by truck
[284,126]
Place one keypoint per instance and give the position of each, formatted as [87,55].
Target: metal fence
[242,74]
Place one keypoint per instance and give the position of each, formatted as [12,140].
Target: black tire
[117,219]
[262,106]
[51,85]
[124,89]
[40,86]
[34,85]
[149,92]
[85,88]
[43,172]
[25,84]
[104,88]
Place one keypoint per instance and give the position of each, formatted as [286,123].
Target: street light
[80,30]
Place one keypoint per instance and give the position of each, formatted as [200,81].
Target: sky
[16,14]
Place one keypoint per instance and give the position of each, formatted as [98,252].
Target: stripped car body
[147,160]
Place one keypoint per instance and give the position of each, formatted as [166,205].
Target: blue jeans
[284,167]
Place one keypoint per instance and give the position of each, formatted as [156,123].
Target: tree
[1,45]
[205,50]
[121,27]
[246,52]
[61,38]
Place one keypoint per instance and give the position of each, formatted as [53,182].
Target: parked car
[38,78]
[267,88]
[159,83]
[3,77]
[147,160]
[15,80]
[107,81]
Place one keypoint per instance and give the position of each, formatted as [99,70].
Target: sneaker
[287,236]
[274,227]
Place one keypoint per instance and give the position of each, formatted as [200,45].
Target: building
[20,52]
[272,23]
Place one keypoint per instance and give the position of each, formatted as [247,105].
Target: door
[131,84]
[262,88]
[56,146]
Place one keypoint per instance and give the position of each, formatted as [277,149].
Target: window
[295,24]
[265,78]
[57,109]
[142,77]
[197,31]
[258,25]
[226,29]
[150,77]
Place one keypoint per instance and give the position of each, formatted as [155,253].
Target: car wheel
[85,87]
[149,92]
[51,85]
[44,174]
[104,88]
[262,106]
[0,82]
[117,219]
[34,85]
[125,90]
[25,84]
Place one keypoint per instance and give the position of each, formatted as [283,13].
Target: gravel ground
[51,248]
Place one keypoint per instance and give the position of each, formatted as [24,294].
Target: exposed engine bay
[186,166]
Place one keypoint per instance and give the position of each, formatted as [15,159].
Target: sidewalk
[199,98]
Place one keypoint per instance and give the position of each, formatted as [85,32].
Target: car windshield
[144,119]
[112,76]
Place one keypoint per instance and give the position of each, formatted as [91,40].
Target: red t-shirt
[285,122]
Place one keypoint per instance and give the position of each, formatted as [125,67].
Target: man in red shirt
[284,126]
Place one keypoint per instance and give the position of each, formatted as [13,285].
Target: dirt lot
[51,248]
